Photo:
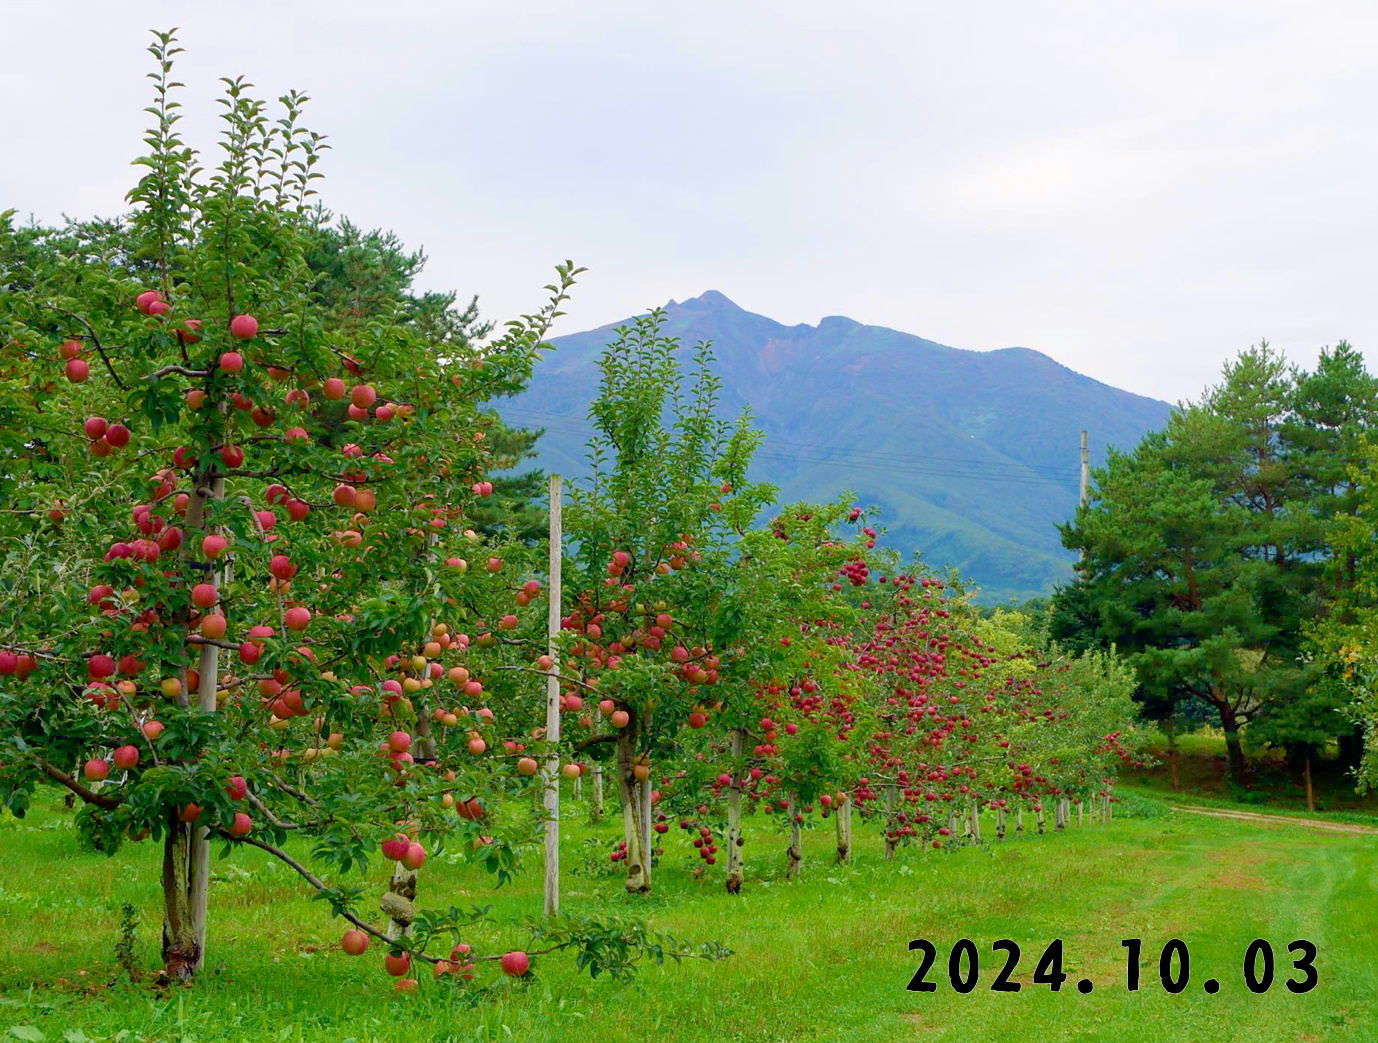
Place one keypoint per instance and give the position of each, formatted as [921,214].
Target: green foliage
[1211,550]
[355,511]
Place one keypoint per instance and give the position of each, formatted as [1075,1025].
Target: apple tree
[238,602]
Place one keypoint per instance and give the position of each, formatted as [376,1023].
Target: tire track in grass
[1274,820]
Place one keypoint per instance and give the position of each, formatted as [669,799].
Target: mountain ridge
[972,456]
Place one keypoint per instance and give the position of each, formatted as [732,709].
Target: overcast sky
[1137,189]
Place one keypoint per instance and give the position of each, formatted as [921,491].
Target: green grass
[823,958]
[1273,786]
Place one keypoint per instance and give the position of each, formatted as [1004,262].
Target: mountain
[972,456]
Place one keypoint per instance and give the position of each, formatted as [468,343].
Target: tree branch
[594,740]
[95,341]
[169,370]
[90,796]
[269,815]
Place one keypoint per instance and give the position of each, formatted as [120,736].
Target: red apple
[414,856]
[231,362]
[95,770]
[126,757]
[515,964]
[243,327]
[354,942]
[242,825]
[77,370]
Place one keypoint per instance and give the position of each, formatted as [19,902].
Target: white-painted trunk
[635,815]
[399,903]
[735,868]
[187,850]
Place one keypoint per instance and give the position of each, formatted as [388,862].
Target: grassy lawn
[1204,773]
[824,958]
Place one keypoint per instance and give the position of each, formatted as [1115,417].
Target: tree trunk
[1038,814]
[1081,813]
[187,849]
[1236,751]
[1352,747]
[596,813]
[795,853]
[891,842]
[399,904]
[999,823]
[634,816]
[843,812]
[1310,793]
[735,871]
[976,823]
[183,932]
[1172,752]
[1019,819]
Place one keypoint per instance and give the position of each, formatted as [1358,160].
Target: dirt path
[1253,816]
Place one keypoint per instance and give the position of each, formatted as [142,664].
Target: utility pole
[1085,470]
[1085,478]
[552,711]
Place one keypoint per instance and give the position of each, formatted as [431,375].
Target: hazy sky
[1137,189]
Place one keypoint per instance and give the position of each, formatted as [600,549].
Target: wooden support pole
[552,710]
